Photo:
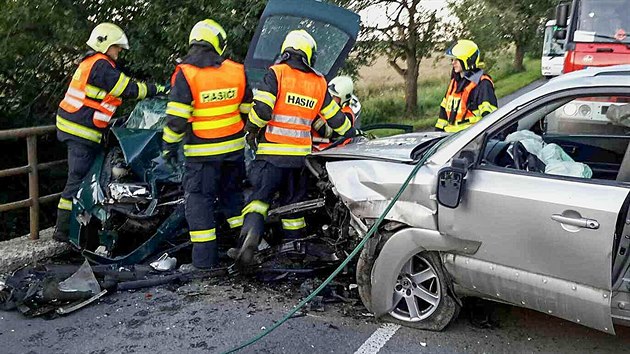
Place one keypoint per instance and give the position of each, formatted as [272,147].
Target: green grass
[385,103]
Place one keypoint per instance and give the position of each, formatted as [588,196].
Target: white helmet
[106,35]
[342,87]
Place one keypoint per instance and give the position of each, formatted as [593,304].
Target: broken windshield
[551,46]
[603,21]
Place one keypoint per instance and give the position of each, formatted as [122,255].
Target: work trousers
[212,189]
[80,160]
[268,179]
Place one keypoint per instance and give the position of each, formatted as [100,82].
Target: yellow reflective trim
[256,206]
[142,90]
[443,104]
[235,222]
[330,110]
[245,108]
[95,92]
[456,128]
[215,148]
[78,130]
[283,149]
[177,109]
[293,224]
[216,111]
[64,204]
[255,119]
[170,136]
[215,124]
[343,129]
[485,107]
[265,97]
[121,85]
[441,123]
[203,235]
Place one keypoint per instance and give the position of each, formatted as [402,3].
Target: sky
[374,15]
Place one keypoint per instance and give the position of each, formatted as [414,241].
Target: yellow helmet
[466,52]
[301,41]
[106,35]
[342,87]
[209,32]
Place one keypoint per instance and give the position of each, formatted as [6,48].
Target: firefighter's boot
[62,227]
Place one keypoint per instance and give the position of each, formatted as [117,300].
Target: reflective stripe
[215,148]
[215,124]
[75,93]
[441,123]
[76,103]
[216,111]
[142,90]
[235,222]
[485,107]
[179,109]
[169,136]
[95,92]
[256,206]
[109,107]
[245,108]
[102,117]
[318,123]
[443,104]
[120,86]
[330,110]
[283,149]
[203,235]
[456,128]
[253,117]
[265,97]
[78,130]
[294,133]
[293,224]
[64,204]
[292,120]
[343,129]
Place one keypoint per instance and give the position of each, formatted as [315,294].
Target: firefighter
[290,98]
[470,94]
[208,104]
[341,88]
[96,90]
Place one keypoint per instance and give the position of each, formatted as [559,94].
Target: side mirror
[562,15]
[560,34]
[451,183]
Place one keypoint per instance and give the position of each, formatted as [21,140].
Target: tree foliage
[407,35]
[42,42]
[495,25]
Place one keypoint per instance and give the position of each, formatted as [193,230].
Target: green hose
[354,252]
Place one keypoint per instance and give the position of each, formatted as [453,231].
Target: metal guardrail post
[33,185]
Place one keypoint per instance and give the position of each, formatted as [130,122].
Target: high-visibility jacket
[299,100]
[214,115]
[458,112]
[320,142]
[81,94]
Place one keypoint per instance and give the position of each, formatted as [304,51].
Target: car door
[335,30]
[546,241]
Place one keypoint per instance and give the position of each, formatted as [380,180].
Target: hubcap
[417,292]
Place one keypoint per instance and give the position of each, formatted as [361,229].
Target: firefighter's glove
[352,132]
[162,90]
[170,155]
[251,138]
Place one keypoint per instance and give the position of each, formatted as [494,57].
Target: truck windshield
[602,21]
[551,46]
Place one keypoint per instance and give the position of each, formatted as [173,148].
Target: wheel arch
[401,246]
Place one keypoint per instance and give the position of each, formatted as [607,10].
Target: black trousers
[80,159]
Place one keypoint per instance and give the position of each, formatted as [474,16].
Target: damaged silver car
[528,207]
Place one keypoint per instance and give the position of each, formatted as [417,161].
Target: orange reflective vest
[81,94]
[299,100]
[456,106]
[320,143]
[217,93]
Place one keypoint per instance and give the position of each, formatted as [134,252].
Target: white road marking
[378,339]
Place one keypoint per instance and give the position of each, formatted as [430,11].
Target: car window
[585,137]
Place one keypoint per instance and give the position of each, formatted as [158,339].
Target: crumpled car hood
[395,148]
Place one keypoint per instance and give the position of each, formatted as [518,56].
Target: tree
[407,36]
[498,24]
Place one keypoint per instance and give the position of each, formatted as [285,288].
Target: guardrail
[32,169]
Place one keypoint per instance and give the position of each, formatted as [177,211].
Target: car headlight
[585,110]
[570,109]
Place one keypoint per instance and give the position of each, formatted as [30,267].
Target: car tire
[433,316]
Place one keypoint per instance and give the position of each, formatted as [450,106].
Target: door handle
[577,222]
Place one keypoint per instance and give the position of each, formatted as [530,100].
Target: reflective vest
[217,94]
[81,94]
[320,143]
[456,106]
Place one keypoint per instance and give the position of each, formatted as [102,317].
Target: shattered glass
[148,114]
[83,280]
